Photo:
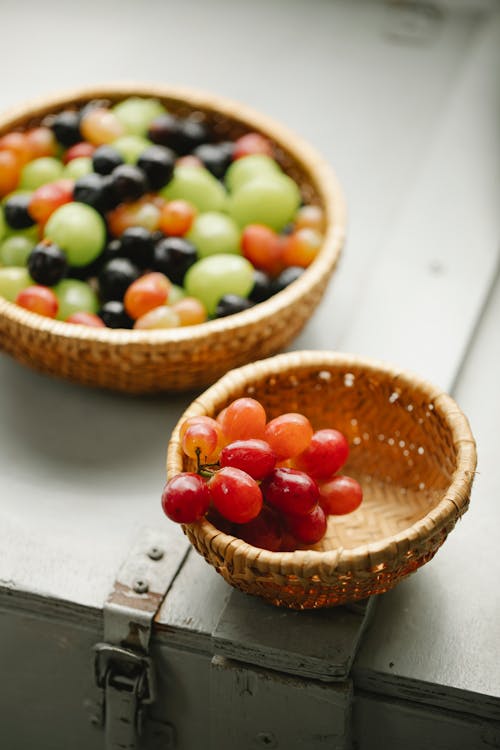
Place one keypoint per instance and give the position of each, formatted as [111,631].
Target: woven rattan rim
[306,156]
[304,563]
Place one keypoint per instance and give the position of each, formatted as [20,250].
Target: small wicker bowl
[195,356]
[411,449]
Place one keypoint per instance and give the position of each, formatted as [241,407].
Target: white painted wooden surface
[410,123]
[82,468]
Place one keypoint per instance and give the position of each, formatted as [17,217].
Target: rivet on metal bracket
[140,586]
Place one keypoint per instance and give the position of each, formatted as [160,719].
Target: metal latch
[128,681]
[123,670]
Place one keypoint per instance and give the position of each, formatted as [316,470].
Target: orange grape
[147,292]
[310,216]
[141,213]
[244,418]
[176,218]
[100,126]
[301,247]
[10,170]
[289,434]
[190,311]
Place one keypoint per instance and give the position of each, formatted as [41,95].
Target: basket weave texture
[195,356]
[411,448]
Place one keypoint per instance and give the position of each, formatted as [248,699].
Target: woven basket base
[386,510]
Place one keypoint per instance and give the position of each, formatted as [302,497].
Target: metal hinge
[123,669]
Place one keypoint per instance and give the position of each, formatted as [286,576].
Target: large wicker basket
[185,358]
[411,449]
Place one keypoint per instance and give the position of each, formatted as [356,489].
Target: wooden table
[403,100]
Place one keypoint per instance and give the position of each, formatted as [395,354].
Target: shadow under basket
[191,357]
[411,448]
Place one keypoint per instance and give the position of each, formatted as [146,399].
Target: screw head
[265,739]
[155,553]
[140,586]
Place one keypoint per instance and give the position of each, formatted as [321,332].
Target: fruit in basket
[340,495]
[289,434]
[235,494]
[256,457]
[326,453]
[38,299]
[186,498]
[274,506]
[130,181]
[290,491]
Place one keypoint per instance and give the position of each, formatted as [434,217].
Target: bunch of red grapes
[272,483]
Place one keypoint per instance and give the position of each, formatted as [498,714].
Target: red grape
[45,199]
[253,456]
[265,531]
[262,246]
[326,454]
[290,491]
[86,319]
[235,495]
[185,498]
[84,148]
[38,299]
[309,528]
[289,434]
[252,143]
[340,495]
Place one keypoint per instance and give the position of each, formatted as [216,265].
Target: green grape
[131,147]
[245,169]
[15,250]
[75,296]
[212,277]
[136,114]
[78,168]
[271,200]
[13,281]
[3,225]
[175,294]
[40,171]
[197,186]
[214,232]
[79,231]
[31,233]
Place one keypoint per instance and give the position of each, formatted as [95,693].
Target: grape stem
[208,470]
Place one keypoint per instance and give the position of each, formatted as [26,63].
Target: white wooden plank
[254,708]
[190,613]
[432,272]
[435,638]
[80,474]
